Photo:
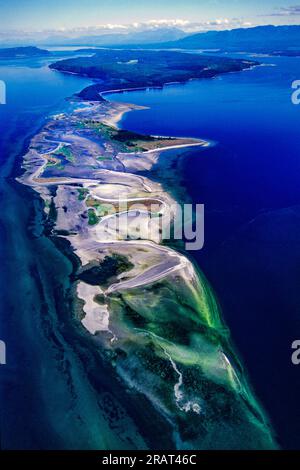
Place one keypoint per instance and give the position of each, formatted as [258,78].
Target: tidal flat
[146,356]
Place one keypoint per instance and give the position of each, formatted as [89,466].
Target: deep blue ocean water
[250,185]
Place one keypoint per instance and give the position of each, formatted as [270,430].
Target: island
[133,69]
[22,52]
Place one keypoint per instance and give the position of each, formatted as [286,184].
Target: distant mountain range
[282,40]
[257,39]
[260,38]
[156,36]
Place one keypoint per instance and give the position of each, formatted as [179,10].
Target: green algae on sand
[173,347]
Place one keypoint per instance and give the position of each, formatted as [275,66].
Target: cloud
[218,24]
[193,26]
[286,11]
[169,23]
[116,28]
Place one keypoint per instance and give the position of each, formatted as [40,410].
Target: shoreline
[115,119]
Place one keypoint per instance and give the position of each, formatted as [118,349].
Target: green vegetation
[104,158]
[174,347]
[66,152]
[93,218]
[109,268]
[102,209]
[57,166]
[129,141]
[147,69]
[82,193]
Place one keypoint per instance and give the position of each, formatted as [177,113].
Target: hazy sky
[37,15]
